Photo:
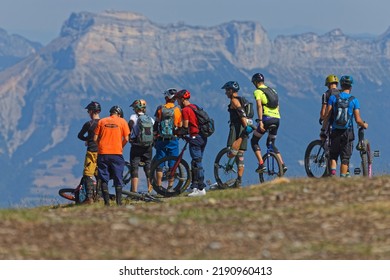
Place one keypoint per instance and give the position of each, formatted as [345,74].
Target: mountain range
[117,57]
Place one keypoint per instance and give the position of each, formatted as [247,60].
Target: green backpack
[145,130]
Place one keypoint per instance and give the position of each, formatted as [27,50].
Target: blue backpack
[341,118]
[166,126]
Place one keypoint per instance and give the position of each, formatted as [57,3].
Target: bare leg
[134,184]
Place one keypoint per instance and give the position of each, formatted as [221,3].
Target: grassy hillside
[285,219]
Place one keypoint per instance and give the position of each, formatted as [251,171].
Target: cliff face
[116,57]
[14,48]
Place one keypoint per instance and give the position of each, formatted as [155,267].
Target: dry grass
[285,219]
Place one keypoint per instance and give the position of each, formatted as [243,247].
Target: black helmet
[258,77]
[116,109]
[94,107]
[231,85]
[346,80]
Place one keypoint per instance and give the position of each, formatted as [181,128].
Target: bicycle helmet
[258,77]
[94,107]
[183,94]
[116,109]
[170,93]
[346,80]
[331,79]
[139,104]
[231,85]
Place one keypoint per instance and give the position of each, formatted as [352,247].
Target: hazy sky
[41,20]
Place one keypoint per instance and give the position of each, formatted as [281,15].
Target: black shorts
[236,130]
[341,143]
[140,153]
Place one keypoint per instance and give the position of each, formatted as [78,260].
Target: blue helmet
[346,80]
[231,85]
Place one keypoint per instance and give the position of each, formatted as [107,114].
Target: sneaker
[284,168]
[237,184]
[197,192]
[261,168]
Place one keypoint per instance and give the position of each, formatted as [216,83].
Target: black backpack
[205,123]
[248,107]
[272,97]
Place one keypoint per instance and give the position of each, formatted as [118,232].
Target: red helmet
[183,94]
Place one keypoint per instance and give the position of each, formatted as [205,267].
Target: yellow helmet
[331,79]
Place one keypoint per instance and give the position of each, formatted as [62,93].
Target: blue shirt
[353,105]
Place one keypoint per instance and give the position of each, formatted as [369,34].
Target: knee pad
[345,161]
[195,162]
[134,171]
[240,159]
[147,171]
[255,144]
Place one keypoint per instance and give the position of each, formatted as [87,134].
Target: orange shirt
[111,131]
[177,119]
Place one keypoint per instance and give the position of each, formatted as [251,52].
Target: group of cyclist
[341,134]
[106,138]
[241,125]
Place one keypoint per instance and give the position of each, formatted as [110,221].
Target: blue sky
[41,20]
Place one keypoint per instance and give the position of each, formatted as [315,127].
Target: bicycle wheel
[139,196]
[67,193]
[225,169]
[366,163]
[126,173]
[274,168]
[316,161]
[172,182]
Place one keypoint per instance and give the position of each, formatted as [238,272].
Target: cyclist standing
[342,136]
[331,82]
[90,162]
[239,126]
[167,119]
[197,143]
[267,116]
[141,147]
[111,135]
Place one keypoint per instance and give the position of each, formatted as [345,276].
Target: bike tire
[68,193]
[366,163]
[225,169]
[181,179]
[274,168]
[140,196]
[315,160]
